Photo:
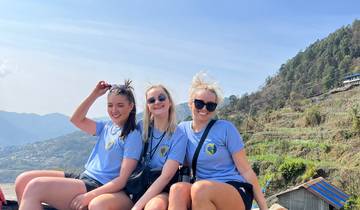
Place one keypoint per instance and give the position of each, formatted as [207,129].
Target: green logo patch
[211,149]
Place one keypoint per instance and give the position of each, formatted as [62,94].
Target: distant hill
[68,152]
[20,128]
[296,128]
[314,71]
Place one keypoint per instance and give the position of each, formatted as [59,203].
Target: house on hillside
[316,194]
[348,82]
[352,79]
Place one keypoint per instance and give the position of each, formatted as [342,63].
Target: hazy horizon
[53,53]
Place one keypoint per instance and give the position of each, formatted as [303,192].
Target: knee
[99,203]
[34,188]
[156,205]
[96,204]
[200,190]
[179,189]
[21,181]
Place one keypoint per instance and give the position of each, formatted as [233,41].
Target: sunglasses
[210,106]
[160,98]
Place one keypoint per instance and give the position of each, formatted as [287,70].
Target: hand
[101,88]
[80,202]
[2,198]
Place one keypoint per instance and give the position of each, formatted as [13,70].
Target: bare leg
[23,179]
[159,202]
[55,191]
[207,195]
[179,196]
[111,201]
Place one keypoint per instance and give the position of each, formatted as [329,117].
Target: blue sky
[52,53]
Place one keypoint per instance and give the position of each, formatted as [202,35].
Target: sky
[53,53]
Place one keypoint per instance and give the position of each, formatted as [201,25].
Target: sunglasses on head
[160,98]
[210,106]
[117,89]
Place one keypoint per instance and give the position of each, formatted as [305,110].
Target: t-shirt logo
[164,150]
[210,148]
[109,144]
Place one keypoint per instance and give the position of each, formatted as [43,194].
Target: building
[352,79]
[316,194]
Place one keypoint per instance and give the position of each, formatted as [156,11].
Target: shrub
[313,116]
[309,173]
[355,115]
[292,168]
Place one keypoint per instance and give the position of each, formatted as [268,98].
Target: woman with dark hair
[109,166]
[223,177]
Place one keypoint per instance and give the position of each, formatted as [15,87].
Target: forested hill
[314,71]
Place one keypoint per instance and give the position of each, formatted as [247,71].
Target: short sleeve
[234,141]
[99,127]
[133,145]
[178,148]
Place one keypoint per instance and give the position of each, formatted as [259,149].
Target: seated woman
[166,147]
[111,162]
[224,178]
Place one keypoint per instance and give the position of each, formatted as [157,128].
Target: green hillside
[295,129]
[314,71]
[68,152]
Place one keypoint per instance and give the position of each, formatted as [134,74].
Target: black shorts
[246,192]
[89,182]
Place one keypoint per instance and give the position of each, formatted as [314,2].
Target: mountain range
[22,128]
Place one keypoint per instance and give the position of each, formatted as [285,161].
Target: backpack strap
[197,151]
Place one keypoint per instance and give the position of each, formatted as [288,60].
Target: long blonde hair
[149,119]
[201,81]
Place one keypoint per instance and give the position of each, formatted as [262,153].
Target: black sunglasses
[210,106]
[161,98]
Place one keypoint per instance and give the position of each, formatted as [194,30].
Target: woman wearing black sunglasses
[167,146]
[224,178]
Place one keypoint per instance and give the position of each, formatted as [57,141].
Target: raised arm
[246,171]
[79,118]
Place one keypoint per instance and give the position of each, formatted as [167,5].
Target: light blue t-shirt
[170,148]
[215,157]
[106,157]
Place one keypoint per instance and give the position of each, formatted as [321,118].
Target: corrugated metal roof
[351,76]
[327,192]
[323,190]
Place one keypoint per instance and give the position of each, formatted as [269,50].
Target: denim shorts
[89,182]
[246,192]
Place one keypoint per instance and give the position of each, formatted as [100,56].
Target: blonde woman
[167,145]
[224,178]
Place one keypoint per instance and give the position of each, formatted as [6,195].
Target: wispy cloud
[7,68]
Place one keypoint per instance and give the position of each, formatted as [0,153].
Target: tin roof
[351,76]
[323,190]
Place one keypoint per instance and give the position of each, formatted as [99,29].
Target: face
[205,99]
[158,102]
[119,108]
